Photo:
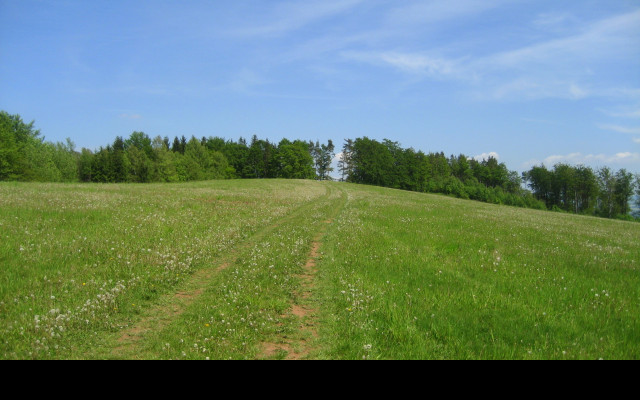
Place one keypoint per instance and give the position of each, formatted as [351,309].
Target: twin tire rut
[293,347]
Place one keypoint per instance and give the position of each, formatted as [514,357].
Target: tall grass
[82,261]
[409,276]
[401,275]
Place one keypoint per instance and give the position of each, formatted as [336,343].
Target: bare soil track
[293,347]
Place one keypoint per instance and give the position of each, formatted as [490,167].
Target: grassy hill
[300,269]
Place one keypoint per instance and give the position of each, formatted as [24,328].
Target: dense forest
[26,156]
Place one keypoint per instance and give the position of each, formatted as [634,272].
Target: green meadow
[286,269]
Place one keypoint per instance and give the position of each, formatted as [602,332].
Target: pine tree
[119,161]
[326,155]
[176,145]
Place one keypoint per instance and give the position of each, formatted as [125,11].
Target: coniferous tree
[345,165]
[314,150]
[101,167]
[119,161]
[176,145]
[325,154]
[183,144]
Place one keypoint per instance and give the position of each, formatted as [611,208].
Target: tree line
[388,164]
[26,156]
[575,189]
[582,190]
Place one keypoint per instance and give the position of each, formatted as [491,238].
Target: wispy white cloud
[412,63]
[616,35]
[621,129]
[560,67]
[415,63]
[528,87]
[553,68]
[623,113]
[289,16]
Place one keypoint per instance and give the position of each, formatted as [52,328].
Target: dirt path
[300,345]
[171,306]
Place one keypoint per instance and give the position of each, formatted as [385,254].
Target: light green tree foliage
[164,169]
[19,148]
[66,161]
[200,164]
[85,165]
[49,162]
[294,160]
[140,141]
[39,165]
[9,153]
[140,167]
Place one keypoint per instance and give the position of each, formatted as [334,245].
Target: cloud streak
[621,129]
[554,68]
[290,16]
[412,63]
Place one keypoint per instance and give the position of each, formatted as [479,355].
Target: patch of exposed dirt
[299,348]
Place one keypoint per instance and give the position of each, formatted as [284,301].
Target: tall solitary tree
[637,213]
[326,155]
[345,165]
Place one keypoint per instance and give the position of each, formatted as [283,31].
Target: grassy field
[307,270]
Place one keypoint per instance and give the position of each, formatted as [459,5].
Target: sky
[527,81]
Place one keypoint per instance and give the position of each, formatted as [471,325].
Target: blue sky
[529,81]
